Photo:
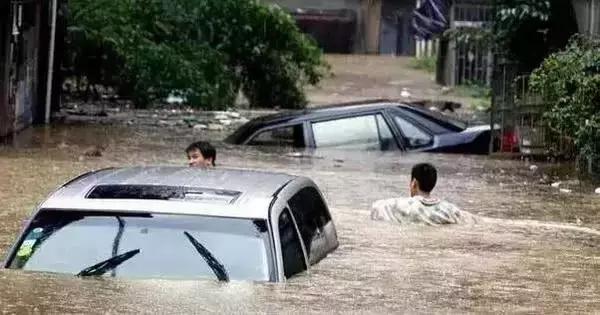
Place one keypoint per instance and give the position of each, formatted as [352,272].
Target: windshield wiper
[212,262]
[109,264]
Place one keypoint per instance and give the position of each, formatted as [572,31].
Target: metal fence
[427,48]
[518,113]
[472,59]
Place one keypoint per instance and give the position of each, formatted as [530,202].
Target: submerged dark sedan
[377,125]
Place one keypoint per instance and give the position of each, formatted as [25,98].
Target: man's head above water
[423,179]
[201,154]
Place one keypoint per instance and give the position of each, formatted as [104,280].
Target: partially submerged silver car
[176,222]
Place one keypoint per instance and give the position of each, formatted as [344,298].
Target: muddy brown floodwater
[540,252]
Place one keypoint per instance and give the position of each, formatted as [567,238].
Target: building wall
[396,37]
[26,101]
[365,37]
[371,10]
[588,16]
[20,75]
[6,113]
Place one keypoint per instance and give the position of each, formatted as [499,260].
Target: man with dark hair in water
[420,207]
[201,154]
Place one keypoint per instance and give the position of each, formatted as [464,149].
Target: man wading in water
[420,207]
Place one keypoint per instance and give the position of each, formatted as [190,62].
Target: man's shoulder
[447,205]
[392,202]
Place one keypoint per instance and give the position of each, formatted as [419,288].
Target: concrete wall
[19,70]
[26,100]
[371,25]
[396,37]
[6,112]
[588,16]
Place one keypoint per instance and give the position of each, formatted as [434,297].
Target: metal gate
[472,59]
[517,113]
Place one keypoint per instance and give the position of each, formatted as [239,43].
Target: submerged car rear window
[436,122]
[71,241]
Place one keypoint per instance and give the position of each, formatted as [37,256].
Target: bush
[569,82]
[428,64]
[202,50]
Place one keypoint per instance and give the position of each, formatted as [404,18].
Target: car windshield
[154,246]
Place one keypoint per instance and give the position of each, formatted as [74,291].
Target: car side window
[385,135]
[290,136]
[311,216]
[291,248]
[415,137]
[363,133]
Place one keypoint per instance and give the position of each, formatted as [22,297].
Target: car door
[281,136]
[314,223]
[415,136]
[293,257]
[365,131]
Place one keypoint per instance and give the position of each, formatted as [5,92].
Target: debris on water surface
[95,151]
[565,191]
[301,155]
[533,168]
[216,127]
[556,185]
[574,182]
[405,93]
[597,191]
[173,99]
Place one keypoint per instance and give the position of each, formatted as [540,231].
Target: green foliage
[569,82]
[480,96]
[525,31]
[202,50]
[485,37]
[511,15]
[428,64]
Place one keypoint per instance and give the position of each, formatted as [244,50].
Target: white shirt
[418,210]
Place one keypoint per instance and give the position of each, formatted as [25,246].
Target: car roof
[299,116]
[293,117]
[247,193]
[329,110]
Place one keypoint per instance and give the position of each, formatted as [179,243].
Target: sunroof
[156,192]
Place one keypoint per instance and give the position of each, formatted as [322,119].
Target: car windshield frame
[54,220]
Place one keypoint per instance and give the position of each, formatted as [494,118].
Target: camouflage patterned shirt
[418,210]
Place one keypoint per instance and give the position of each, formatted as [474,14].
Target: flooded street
[534,249]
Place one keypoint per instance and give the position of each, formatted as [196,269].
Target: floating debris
[173,99]
[216,127]
[565,191]
[556,185]
[405,93]
[301,155]
[533,168]
[597,190]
